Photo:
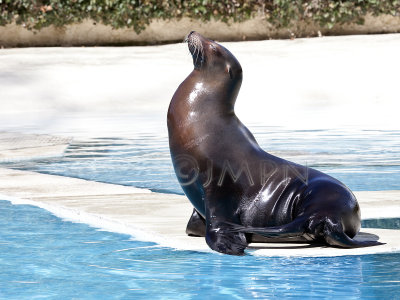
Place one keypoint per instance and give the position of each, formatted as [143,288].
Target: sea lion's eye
[230,72]
[213,47]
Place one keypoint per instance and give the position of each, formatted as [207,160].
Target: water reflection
[63,259]
[363,160]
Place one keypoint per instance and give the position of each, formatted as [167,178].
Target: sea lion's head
[211,57]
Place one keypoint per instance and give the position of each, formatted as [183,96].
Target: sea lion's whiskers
[197,52]
[202,55]
[200,51]
[186,38]
[196,49]
[197,55]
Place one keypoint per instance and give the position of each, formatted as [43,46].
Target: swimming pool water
[44,257]
[362,159]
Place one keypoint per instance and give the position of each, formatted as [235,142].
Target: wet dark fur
[233,207]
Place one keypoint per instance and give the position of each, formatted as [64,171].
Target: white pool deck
[162,218]
[312,83]
[20,147]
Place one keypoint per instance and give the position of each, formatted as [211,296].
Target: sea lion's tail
[331,232]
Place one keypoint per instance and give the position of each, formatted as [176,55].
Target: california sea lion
[239,192]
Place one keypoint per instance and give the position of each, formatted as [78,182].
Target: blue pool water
[362,159]
[43,257]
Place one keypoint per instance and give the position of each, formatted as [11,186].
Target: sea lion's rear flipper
[295,228]
[196,225]
[332,232]
[335,236]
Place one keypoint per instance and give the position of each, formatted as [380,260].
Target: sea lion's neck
[200,93]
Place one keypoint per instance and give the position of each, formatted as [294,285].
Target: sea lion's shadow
[361,236]
[284,246]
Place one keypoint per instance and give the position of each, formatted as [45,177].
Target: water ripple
[363,160]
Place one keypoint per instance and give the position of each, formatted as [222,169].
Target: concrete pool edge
[156,217]
[17,146]
[93,220]
[197,244]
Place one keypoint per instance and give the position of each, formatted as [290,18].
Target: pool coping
[162,218]
[15,147]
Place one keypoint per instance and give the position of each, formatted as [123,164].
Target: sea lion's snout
[186,39]
[189,36]
[195,44]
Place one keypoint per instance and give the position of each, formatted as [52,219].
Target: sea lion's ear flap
[230,72]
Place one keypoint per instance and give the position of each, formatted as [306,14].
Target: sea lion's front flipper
[220,240]
[196,225]
[218,237]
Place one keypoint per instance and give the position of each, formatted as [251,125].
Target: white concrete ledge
[390,237]
[163,31]
[162,218]
[313,83]
[19,146]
